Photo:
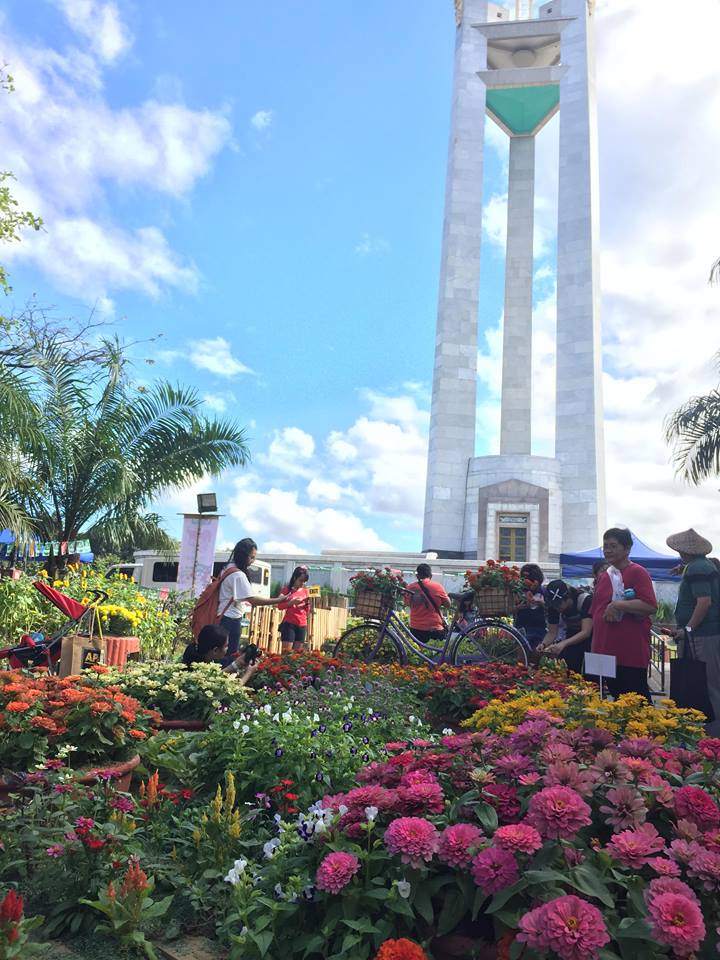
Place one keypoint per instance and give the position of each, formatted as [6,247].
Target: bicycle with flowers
[383,637]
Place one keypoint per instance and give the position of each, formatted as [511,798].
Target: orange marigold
[138,734]
[402,949]
[17,706]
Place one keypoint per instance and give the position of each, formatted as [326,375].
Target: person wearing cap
[569,607]
[623,603]
[293,628]
[697,612]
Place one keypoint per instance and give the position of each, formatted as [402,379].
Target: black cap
[556,592]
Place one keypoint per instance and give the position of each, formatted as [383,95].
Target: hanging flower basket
[495,601]
[372,604]
[498,588]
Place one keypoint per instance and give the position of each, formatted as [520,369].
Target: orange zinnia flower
[17,706]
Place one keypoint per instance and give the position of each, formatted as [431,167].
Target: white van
[159,571]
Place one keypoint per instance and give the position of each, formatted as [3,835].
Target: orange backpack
[205,610]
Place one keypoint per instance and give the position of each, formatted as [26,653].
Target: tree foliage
[694,431]
[103,449]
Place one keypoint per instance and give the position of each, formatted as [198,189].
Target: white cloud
[329,492]
[279,513]
[369,245]
[261,120]
[290,444]
[281,546]
[215,354]
[216,402]
[99,23]
[67,145]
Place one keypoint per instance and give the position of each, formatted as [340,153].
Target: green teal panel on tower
[523,109]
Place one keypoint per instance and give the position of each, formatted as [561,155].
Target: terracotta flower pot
[183,725]
[121,771]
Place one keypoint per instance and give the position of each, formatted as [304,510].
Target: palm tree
[104,450]
[694,430]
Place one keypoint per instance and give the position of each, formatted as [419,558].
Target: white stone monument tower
[517,506]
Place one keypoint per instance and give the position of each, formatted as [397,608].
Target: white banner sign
[197,553]
[600,665]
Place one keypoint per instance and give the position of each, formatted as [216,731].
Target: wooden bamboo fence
[323,624]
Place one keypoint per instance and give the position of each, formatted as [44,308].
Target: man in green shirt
[697,612]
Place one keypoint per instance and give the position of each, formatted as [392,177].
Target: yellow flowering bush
[128,611]
[629,716]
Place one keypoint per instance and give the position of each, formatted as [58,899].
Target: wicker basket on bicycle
[495,601]
[372,604]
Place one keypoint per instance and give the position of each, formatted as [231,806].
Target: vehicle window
[165,572]
[255,574]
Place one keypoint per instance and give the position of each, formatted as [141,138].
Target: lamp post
[197,549]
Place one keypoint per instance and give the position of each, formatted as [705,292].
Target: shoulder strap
[430,597]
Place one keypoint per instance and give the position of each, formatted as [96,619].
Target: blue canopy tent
[7,537]
[658,565]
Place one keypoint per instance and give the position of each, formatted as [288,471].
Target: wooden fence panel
[323,624]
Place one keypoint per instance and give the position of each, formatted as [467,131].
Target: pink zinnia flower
[123,804]
[56,851]
[664,867]
[423,797]
[336,871]
[512,764]
[662,885]
[633,848]
[709,748]
[558,813]
[370,796]
[676,921]
[625,807]
[494,869]
[457,843]
[568,926]
[693,803]
[517,838]
[415,839]
[705,866]
[557,752]
[683,851]
[528,779]
[504,798]
[567,774]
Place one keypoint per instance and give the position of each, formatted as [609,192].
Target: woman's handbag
[688,681]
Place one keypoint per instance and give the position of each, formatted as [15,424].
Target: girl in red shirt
[293,628]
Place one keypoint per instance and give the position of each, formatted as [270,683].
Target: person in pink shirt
[623,604]
[293,628]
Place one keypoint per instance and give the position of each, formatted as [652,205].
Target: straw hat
[689,542]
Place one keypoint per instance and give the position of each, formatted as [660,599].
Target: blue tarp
[657,564]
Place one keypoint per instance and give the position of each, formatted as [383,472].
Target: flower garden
[335,810]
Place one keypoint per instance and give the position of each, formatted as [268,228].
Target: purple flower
[279,752]
[322,728]
[347,727]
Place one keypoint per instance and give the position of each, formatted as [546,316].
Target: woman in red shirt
[622,624]
[293,628]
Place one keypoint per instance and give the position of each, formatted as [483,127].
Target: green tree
[12,218]
[694,431]
[104,450]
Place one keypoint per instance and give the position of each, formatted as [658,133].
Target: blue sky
[263,186]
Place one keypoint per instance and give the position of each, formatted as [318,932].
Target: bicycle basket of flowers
[377,591]
[498,588]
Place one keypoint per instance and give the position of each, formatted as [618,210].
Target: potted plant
[376,591]
[45,718]
[498,588]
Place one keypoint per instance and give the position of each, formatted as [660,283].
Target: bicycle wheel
[364,643]
[490,641]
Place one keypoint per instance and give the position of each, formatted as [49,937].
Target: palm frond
[694,431]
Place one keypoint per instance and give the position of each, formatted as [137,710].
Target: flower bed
[174,692]
[278,672]
[45,717]
[566,842]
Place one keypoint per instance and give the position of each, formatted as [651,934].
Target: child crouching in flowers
[211,647]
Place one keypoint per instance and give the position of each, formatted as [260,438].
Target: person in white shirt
[236,596]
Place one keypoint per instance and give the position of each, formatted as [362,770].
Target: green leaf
[423,904]
[453,910]
[487,815]
[631,928]
[262,940]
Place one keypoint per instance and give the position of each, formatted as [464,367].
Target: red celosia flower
[135,880]
[11,909]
